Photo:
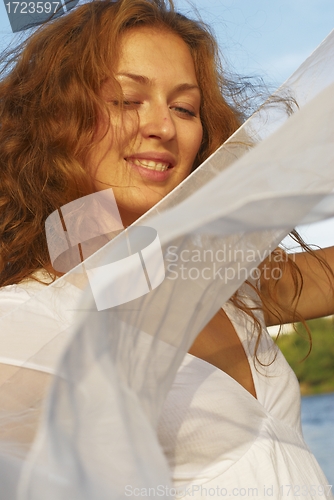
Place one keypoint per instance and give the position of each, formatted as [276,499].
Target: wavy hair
[49,108]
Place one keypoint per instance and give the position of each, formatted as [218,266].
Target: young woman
[130,95]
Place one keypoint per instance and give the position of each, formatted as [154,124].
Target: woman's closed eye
[129,104]
[184,112]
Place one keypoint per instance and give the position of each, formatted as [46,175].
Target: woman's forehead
[148,52]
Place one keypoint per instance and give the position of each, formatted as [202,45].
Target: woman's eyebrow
[144,80]
[137,78]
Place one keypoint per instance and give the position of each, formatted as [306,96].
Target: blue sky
[269,38]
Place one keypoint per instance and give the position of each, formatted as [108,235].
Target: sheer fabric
[221,441]
[100,378]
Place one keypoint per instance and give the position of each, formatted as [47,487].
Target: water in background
[318,429]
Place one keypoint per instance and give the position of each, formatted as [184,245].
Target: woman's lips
[150,164]
[152,169]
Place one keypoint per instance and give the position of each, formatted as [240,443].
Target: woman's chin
[130,216]
[136,211]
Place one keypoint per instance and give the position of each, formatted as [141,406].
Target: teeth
[151,165]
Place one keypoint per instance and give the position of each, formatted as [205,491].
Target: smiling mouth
[150,164]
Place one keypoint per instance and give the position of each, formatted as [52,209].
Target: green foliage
[316,372]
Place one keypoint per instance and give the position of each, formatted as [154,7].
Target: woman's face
[150,147]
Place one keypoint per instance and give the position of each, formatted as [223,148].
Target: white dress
[220,441]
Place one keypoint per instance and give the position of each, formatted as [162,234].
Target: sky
[267,38]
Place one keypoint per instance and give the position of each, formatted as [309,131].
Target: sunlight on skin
[152,147]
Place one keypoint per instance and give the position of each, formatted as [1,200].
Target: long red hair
[50,103]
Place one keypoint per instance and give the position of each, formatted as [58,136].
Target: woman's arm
[316,298]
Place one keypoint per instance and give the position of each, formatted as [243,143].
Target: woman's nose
[157,122]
